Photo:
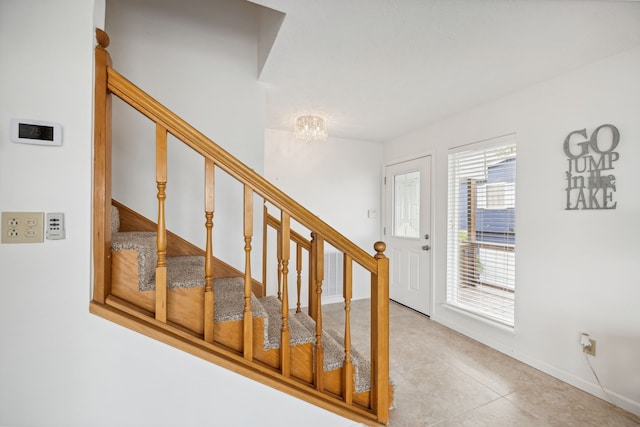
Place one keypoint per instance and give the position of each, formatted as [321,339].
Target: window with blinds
[481,235]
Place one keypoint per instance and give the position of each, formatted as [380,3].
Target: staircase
[156,283]
[133,282]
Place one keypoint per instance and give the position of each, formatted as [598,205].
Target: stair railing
[110,82]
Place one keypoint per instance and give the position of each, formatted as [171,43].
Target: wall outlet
[22,227]
[591,349]
[588,344]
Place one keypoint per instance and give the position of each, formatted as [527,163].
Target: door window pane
[406,205]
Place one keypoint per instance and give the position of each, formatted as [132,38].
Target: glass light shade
[311,128]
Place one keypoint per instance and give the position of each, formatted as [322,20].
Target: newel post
[380,335]
[102,172]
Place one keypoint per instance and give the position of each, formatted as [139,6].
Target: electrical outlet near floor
[591,348]
[22,227]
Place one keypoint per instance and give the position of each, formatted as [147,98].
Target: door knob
[426,247]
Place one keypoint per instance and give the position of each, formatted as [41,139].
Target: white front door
[408,232]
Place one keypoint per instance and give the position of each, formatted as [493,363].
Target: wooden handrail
[158,113]
[296,237]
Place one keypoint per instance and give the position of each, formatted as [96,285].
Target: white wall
[199,58]
[60,365]
[338,180]
[575,270]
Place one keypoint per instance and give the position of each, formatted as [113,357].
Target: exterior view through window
[481,235]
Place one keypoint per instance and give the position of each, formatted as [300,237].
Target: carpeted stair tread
[145,243]
[361,364]
[333,344]
[333,351]
[273,325]
[182,272]
[229,300]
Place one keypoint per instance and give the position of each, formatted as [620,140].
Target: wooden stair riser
[184,305]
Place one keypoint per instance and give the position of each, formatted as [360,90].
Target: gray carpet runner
[332,341]
[188,272]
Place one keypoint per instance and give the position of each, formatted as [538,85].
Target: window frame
[469,168]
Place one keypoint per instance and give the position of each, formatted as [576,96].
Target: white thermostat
[36,132]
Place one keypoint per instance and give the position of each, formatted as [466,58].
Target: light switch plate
[55,226]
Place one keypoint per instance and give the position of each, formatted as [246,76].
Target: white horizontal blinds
[481,237]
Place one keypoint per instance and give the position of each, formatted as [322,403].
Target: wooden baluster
[319,277]
[264,249]
[102,173]
[161,180]
[248,312]
[209,208]
[380,335]
[299,274]
[279,254]
[312,277]
[285,336]
[348,379]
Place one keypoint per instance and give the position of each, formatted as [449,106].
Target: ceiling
[377,69]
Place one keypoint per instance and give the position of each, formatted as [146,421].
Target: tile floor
[445,379]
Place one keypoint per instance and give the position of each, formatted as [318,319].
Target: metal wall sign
[590,181]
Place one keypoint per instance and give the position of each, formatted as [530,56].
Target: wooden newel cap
[380,248]
[102,38]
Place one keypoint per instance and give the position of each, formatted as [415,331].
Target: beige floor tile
[499,372]
[425,396]
[446,379]
[562,405]
[499,413]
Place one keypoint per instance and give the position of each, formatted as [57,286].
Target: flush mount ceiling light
[311,128]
